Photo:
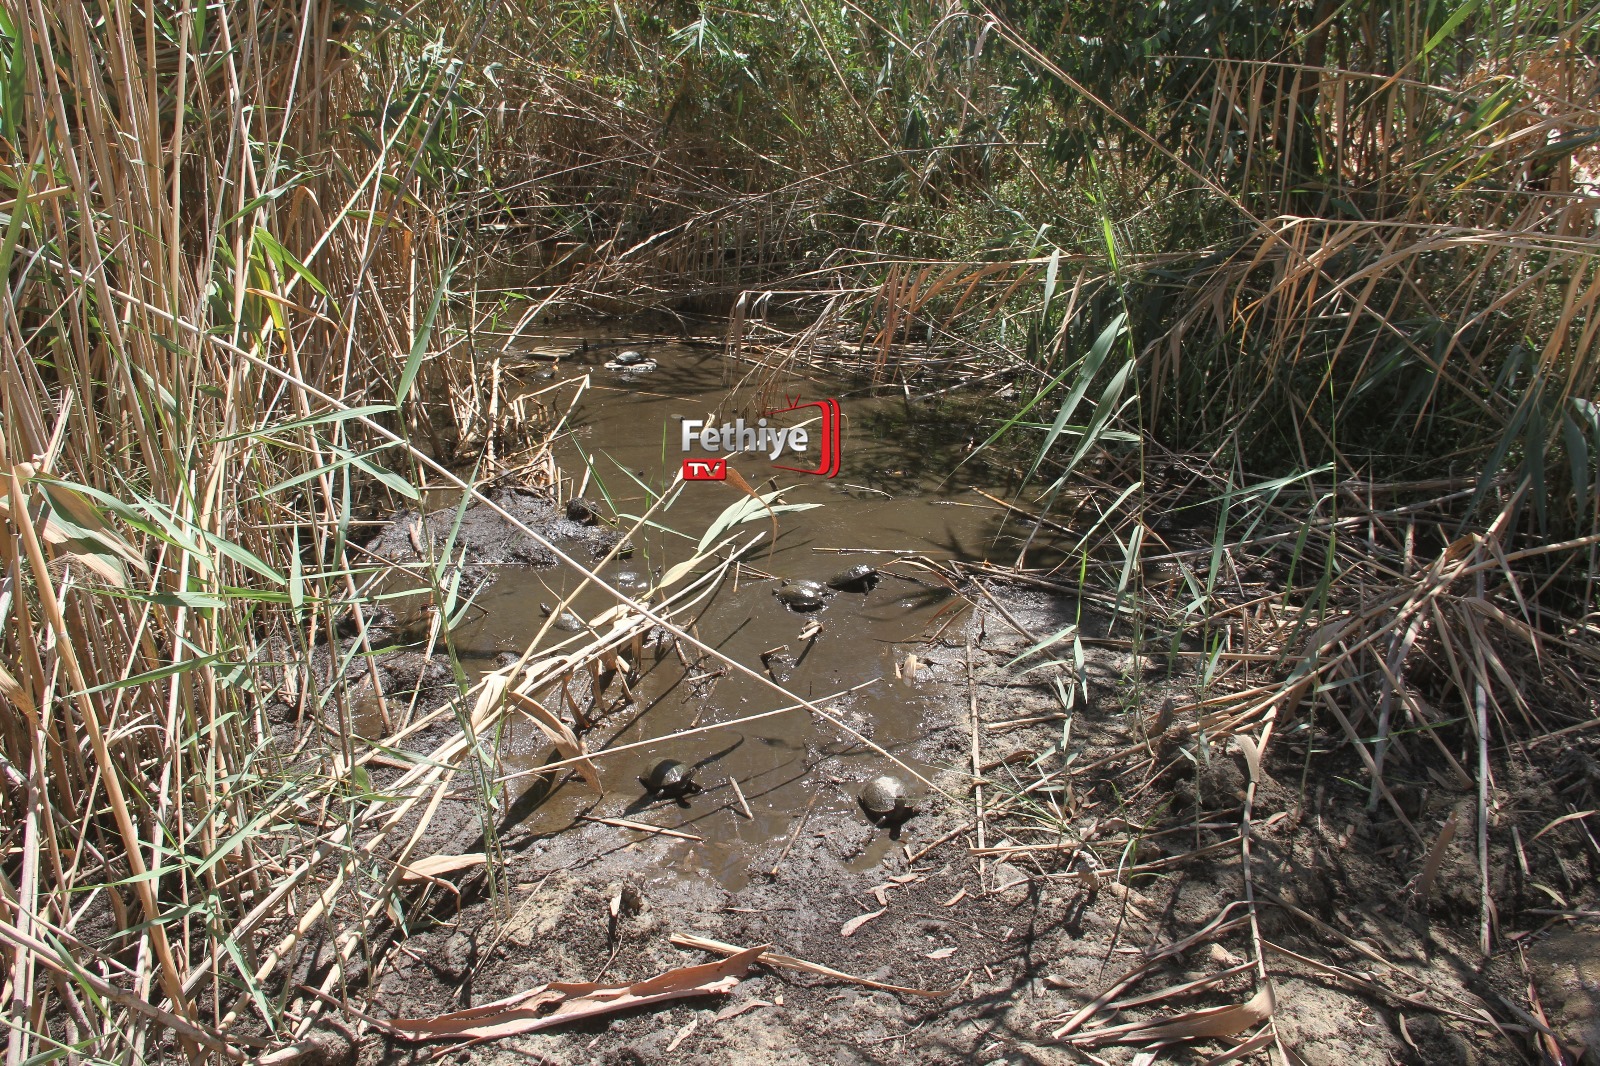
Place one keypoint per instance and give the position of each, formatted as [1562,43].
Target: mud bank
[1016,943]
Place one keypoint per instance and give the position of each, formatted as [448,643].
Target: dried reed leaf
[525,1012]
[788,962]
[434,866]
[849,928]
[568,743]
[1565,818]
[1252,755]
[1435,858]
[1195,1025]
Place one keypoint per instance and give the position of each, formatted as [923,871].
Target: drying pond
[902,493]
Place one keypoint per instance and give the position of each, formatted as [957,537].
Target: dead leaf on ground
[849,928]
[683,1034]
[528,1011]
[1194,1025]
[788,962]
[942,953]
[733,1010]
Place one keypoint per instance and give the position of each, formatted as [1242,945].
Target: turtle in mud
[630,357]
[802,596]
[670,779]
[583,512]
[883,801]
[859,578]
[566,621]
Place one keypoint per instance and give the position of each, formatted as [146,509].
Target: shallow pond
[901,491]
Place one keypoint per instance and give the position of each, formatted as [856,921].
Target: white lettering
[739,437]
[775,437]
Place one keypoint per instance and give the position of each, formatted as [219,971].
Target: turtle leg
[648,790]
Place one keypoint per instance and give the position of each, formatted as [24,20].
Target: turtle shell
[629,358]
[670,779]
[883,800]
[882,796]
[859,578]
[581,511]
[801,595]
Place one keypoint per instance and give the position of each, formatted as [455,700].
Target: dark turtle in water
[670,779]
[802,595]
[859,578]
[583,512]
[629,358]
[565,621]
[883,800]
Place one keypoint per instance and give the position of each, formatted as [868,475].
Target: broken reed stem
[926,848]
[800,824]
[980,817]
[642,827]
[1254,751]
[738,792]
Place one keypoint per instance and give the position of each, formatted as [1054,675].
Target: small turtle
[629,358]
[670,779]
[566,621]
[583,512]
[859,578]
[801,595]
[883,800]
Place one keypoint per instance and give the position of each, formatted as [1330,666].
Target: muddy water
[899,492]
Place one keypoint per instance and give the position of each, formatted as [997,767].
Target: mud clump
[489,540]
[1566,968]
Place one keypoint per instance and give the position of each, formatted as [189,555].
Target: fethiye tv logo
[766,437]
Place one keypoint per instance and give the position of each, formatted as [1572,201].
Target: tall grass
[216,216]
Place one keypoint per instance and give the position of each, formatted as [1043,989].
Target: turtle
[631,363]
[883,800]
[583,512]
[802,595]
[670,779]
[565,621]
[859,578]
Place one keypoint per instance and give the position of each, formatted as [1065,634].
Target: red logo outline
[830,444]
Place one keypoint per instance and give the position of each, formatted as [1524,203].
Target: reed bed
[1303,331]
